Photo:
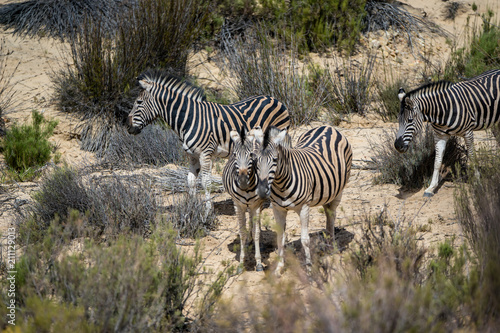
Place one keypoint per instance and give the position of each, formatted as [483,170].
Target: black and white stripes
[312,173]
[240,181]
[452,109]
[203,127]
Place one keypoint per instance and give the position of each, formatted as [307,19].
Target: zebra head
[242,154]
[266,157]
[144,110]
[410,121]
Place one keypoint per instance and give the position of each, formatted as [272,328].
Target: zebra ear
[280,137]
[146,85]
[235,136]
[408,102]
[401,94]
[259,135]
[251,134]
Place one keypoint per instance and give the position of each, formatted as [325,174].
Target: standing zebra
[203,127]
[452,109]
[313,173]
[240,182]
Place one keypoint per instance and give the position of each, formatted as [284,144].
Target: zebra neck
[179,111]
[430,100]
[284,164]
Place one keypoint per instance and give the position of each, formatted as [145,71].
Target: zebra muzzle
[131,128]
[400,145]
[243,180]
[263,189]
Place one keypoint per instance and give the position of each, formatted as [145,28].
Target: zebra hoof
[428,194]
[259,268]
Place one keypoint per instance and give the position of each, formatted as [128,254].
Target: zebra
[240,182]
[452,109]
[203,127]
[313,173]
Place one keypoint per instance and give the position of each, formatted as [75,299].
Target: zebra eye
[139,101]
[410,119]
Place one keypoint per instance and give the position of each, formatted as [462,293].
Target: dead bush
[265,66]
[413,169]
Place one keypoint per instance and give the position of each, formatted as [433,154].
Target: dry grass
[59,19]
[265,66]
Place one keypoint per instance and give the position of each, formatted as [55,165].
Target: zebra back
[202,126]
[314,172]
[456,108]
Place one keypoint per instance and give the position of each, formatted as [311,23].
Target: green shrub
[481,51]
[477,205]
[413,169]
[128,284]
[230,15]
[317,25]
[26,146]
[389,101]
[381,240]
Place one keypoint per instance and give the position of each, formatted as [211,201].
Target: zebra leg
[469,143]
[194,169]
[331,215]
[255,223]
[240,213]
[280,217]
[304,234]
[440,147]
[206,181]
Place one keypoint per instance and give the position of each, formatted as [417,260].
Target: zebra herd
[263,164]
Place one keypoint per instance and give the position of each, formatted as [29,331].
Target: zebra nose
[131,128]
[243,179]
[263,189]
[400,145]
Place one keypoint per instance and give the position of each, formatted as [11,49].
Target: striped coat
[203,127]
[313,173]
[452,109]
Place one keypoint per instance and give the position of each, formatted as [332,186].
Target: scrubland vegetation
[100,251]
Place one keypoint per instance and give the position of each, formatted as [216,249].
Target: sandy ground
[38,59]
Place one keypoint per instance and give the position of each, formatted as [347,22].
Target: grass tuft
[264,66]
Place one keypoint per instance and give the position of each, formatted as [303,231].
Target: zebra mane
[243,134]
[174,83]
[266,141]
[430,87]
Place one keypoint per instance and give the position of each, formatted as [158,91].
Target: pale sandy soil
[39,58]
